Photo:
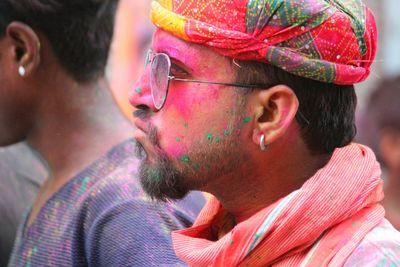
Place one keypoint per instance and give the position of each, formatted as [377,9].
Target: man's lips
[141,135]
[140,124]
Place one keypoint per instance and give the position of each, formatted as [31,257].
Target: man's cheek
[175,149]
[190,99]
[172,134]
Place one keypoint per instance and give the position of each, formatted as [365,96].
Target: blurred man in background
[380,128]
[21,175]
[90,210]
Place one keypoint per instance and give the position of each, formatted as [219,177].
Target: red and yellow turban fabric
[331,41]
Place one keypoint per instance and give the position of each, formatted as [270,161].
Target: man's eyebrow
[176,60]
[180,65]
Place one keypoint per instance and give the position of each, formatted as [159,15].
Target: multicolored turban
[332,41]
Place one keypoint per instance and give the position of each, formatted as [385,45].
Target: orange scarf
[318,225]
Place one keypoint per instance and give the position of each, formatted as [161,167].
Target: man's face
[198,135]
[15,101]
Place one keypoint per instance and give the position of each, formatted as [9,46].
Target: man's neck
[258,185]
[75,126]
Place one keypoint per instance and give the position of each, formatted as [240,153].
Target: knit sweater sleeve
[131,233]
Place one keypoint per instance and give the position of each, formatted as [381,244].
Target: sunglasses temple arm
[207,82]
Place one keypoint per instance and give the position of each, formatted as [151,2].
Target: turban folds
[331,41]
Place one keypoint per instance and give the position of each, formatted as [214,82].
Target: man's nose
[140,96]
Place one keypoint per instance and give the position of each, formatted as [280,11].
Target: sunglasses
[160,77]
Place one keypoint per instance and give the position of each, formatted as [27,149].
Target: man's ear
[276,109]
[26,46]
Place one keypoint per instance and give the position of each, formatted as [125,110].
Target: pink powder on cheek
[176,151]
[172,132]
[190,99]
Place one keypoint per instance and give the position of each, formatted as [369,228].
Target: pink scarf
[318,225]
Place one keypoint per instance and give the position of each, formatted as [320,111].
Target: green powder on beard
[217,139]
[227,133]
[155,175]
[178,139]
[138,90]
[196,167]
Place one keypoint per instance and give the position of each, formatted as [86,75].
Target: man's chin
[161,181]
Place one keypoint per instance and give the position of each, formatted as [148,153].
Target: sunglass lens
[159,79]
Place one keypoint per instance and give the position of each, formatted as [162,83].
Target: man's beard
[163,180]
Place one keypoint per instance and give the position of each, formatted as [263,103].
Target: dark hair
[79,31]
[326,112]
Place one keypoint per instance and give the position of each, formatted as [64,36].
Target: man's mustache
[141,114]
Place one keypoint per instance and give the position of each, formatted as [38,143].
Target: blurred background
[387,61]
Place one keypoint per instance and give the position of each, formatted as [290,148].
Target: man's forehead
[191,54]
[164,42]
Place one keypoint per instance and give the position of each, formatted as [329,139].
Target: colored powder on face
[217,139]
[84,183]
[209,137]
[186,125]
[227,133]
[185,158]
[138,90]
[208,166]
[246,120]
[178,139]
[196,167]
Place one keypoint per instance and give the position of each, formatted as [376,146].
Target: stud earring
[21,71]
[263,146]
